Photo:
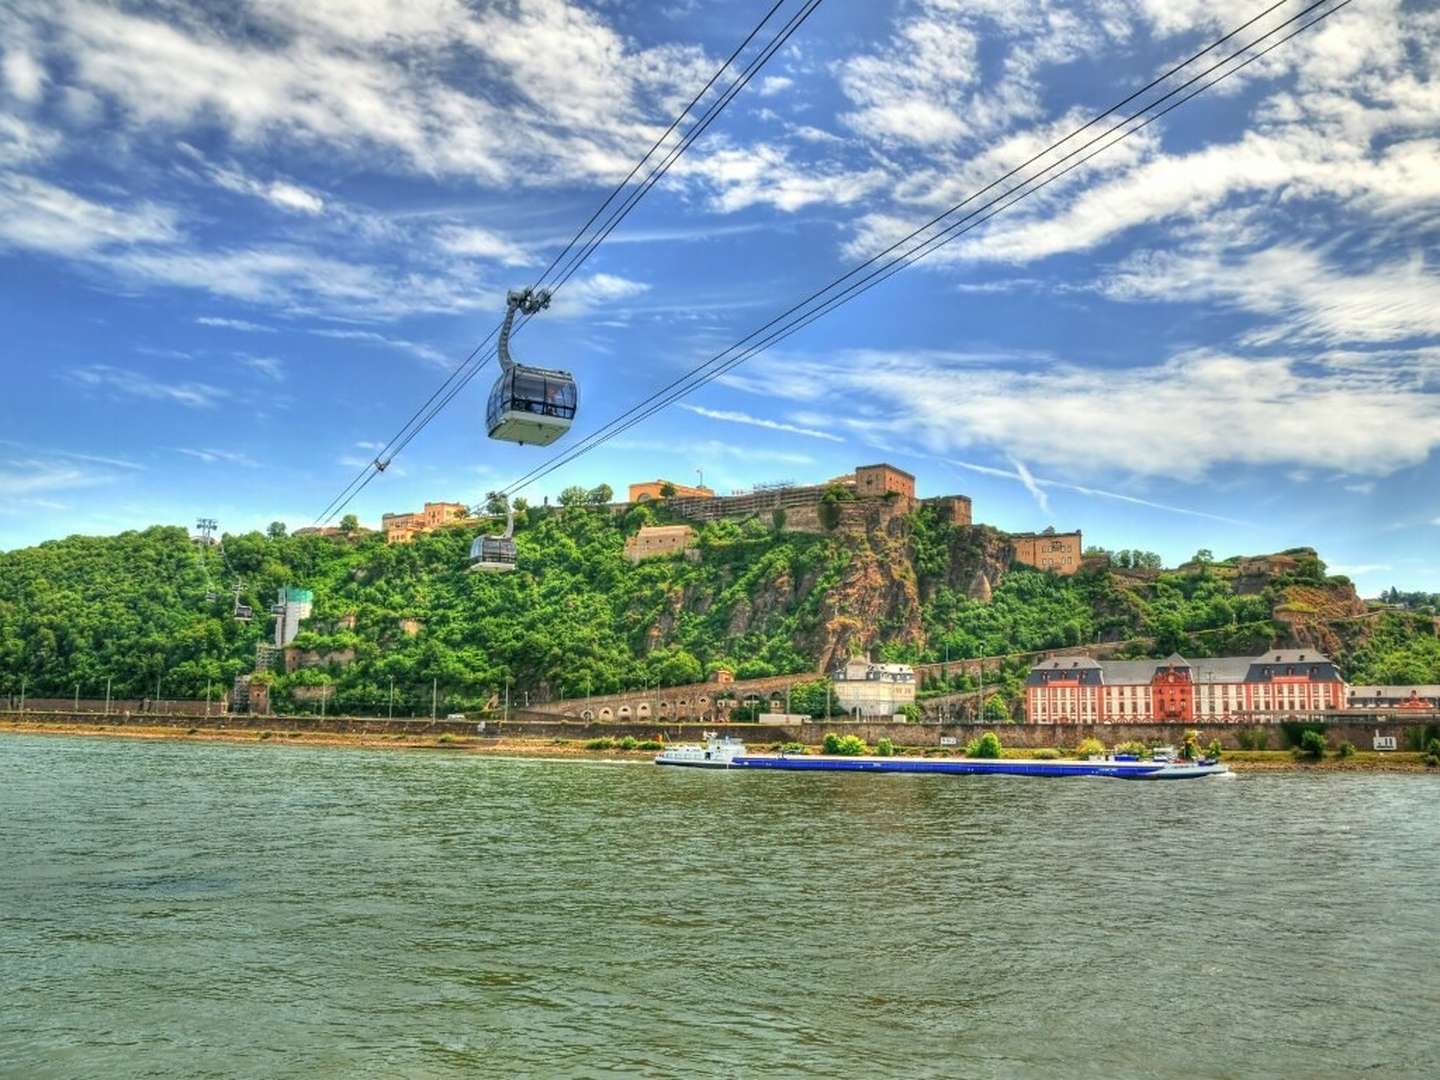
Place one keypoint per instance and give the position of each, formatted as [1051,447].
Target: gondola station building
[1079,690]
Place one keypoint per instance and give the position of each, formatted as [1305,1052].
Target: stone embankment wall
[172,706]
[539,726]
[694,700]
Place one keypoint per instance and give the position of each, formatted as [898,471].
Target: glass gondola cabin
[531,405]
[492,554]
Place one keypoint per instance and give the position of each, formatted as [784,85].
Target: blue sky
[239,243]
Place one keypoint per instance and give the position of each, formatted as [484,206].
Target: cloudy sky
[240,242]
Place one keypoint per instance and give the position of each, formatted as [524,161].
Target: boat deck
[1125,770]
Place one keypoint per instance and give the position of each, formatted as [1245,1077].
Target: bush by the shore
[986,746]
[845,745]
[1312,745]
[1088,748]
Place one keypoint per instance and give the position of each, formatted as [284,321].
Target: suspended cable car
[241,611]
[528,404]
[495,554]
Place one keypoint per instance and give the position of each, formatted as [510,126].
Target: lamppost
[107,695]
[391,714]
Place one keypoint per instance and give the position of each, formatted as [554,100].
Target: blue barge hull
[1120,770]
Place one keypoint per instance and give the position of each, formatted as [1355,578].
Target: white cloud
[370,337]
[1083,489]
[22,143]
[386,81]
[734,417]
[21,477]
[1036,491]
[585,294]
[135,384]
[482,244]
[1313,299]
[1185,418]
[219,457]
[764,174]
[282,194]
[24,77]
[771,85]
[234,324]
[1366,487]
[1359,569]
[269,366]
[38,215]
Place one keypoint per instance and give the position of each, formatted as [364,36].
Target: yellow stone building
[657,541]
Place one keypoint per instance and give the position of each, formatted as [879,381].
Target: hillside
[578,615]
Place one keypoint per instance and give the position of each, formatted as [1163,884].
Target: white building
[864,689]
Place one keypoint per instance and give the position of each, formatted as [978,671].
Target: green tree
[574,495]
[275,530]
[600,495]
[349,524]
[667,490]
[996,711]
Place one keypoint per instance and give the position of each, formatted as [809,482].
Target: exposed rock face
[979,558]
[879,591]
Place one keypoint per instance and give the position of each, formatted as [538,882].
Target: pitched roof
[1222,669]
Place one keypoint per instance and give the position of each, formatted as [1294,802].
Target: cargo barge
[728,753]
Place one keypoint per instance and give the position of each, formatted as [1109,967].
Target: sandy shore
[1238,760]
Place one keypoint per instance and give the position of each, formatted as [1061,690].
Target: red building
[1077,689]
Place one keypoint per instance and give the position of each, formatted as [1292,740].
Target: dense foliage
[578,617]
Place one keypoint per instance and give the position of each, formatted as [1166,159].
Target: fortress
[801,506]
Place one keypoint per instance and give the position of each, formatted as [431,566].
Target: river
[197,909]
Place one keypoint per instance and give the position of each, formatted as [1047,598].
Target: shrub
[446,738]
[192,731]
[603,743]
[794,748]
[267,734]
[884,747]
[1089,748]
[986,746]
[1312,745]
[1346,749]
[1046,754]
[1134,746]
[1215,750]
[1432,752]
[629,742]
[911,712]
[650,744]
[845,745]
[1190,748]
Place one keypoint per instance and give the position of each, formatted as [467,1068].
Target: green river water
[212,910]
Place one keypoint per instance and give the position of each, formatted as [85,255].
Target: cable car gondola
[528,404]
[495,554]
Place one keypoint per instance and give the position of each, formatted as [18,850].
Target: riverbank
[1238,760]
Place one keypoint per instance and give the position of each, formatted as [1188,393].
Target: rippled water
[182,910]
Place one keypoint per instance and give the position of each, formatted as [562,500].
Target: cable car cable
[377,464]
[940,217]
[405,434]
[623,211]
[605,433]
